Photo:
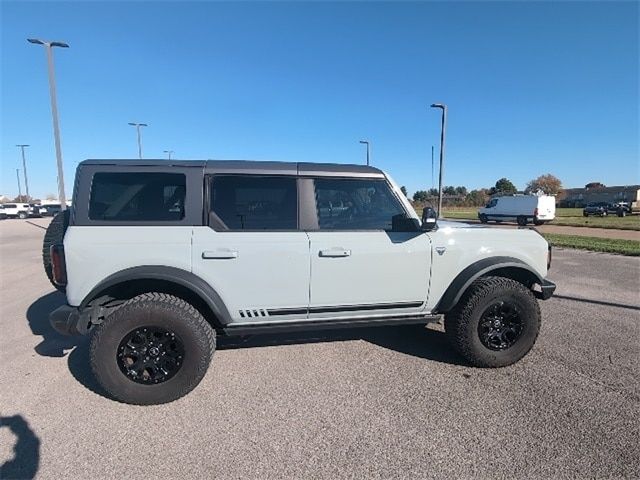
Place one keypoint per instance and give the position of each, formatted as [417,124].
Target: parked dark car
[50,210]
[601,209]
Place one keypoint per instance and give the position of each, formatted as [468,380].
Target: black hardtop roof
[249,166]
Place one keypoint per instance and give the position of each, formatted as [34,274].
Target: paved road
[566,230]
[375,403]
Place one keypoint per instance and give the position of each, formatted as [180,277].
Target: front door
[359,267]
[252,252]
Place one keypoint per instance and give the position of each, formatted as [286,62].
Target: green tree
[548,183]
[449,190]
[420,196]
[433,192]
[477,198]
[461,191]
[504,187]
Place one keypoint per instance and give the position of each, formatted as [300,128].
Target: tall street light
[19,187]
[138,125]
[443,130]
[365,142]
[48,46]
[168,152]
[24,169]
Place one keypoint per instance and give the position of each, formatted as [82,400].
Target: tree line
[460,196]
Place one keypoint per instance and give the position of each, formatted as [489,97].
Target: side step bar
[242,329]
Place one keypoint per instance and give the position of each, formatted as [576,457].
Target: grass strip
[608,245]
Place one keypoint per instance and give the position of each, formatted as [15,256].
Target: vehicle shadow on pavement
[26,450]
[53,344]
[415,340]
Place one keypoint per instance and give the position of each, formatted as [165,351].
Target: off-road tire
[461,323]
[54,234]
[622,212]
[522,221]
[158,310]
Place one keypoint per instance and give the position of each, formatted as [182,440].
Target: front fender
[505,266]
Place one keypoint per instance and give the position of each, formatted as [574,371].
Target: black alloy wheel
[500,326]
[150,355]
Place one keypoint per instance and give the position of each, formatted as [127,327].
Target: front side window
[347,204]
[247,202]
[137,196]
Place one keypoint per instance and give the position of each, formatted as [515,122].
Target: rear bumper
[546,290]
[68,321]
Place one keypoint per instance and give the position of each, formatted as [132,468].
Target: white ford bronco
[157,258]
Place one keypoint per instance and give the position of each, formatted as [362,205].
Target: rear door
[252,252]
[359,267]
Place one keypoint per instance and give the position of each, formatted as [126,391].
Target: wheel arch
[507,267]
[134,281]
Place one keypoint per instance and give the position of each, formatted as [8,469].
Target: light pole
[24,169]
[365,142]
[168,152]
[48,46]
[431,166]
[138,125]
[443,130]
[19,187]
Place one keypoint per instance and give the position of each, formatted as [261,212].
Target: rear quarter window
[137,196]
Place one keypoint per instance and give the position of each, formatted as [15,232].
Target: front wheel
[483,218]
[495,323]
[22,215]
[153,349]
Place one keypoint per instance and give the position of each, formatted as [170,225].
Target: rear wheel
[54,234]
[537,222]
[522,221]
[495,323]
[153,349]
[585,214]
[22,215]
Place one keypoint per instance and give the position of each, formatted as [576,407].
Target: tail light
[58,266]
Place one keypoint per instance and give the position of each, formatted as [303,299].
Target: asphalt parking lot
[373,403]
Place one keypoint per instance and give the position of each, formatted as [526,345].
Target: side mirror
[429,218]
[403,223]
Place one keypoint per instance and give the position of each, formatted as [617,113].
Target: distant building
[579,197]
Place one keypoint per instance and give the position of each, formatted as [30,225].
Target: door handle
[219,254]
[335,252]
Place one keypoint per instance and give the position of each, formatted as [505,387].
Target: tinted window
[345,204]
[255,203]
[10,205]
[137,196]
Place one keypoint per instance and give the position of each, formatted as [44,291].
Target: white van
[520,208]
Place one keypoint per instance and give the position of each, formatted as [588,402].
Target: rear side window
[137,196]
[246,202]
[345,204]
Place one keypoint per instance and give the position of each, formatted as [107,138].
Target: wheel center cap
[154,351]
[497,323]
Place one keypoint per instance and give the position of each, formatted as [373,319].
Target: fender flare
[476,270]
[174,275]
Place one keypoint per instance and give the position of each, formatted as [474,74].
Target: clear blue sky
[531,87]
